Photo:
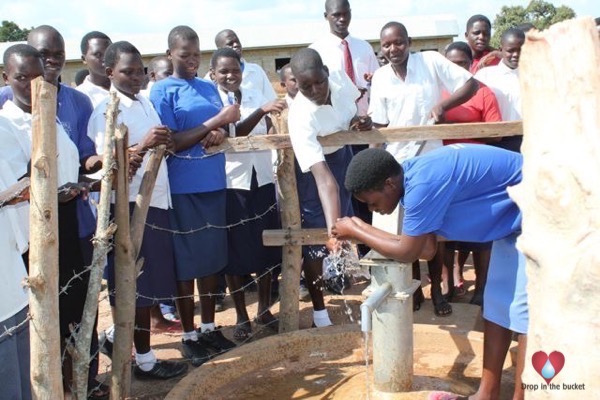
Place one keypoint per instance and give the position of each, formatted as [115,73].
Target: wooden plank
[298,237]
[384,135]
[15,193]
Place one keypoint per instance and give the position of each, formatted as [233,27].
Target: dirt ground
[166,346]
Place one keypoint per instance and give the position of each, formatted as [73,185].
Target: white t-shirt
[238,166]
[504,82]
[94,92]
[364,61]
[307,121]
[16,143]
[139,116]
[398,103]
[13,243]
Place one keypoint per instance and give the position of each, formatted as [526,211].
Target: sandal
[445,396]
[272,323]
[418,298]
[441,308]
[242,332]
[459,290]
[98,391]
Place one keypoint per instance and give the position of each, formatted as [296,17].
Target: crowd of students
[456,192]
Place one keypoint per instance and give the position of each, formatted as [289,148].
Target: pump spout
[371,304]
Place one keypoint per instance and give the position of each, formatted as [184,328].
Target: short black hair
[369,169]
[478,18]
[394,24]
[460,46]
[330,3]
[526,26]
[21,49]
[512,32]
[89,36]
[154,61]
[80,76]
[221,34]
[181,32]
[114,50]
[282,71]
[305,59]
[225,52]
[597,21]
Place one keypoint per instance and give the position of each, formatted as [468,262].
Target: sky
[117,18]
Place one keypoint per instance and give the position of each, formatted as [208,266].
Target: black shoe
[104,345]
[162,369]
[215,341]
[194,351]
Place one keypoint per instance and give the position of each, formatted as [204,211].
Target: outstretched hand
[361,123]
[274,106]
[344,228]
[69,191]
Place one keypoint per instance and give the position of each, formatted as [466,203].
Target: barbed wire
[211,226]
[10,331]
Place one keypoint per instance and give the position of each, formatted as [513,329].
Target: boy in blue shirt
[437,190]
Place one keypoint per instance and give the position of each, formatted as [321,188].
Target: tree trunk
[46,372]
[104,233]
[125,282]
[559,198]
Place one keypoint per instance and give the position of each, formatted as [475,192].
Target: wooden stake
[559,198]
[142,200]
[125,282]
[289,208]
[104,233]
[46,372]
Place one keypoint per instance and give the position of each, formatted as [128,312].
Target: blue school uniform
[197,181]
[459,192]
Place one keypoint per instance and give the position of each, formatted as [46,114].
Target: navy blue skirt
[246,251]
[203,252]
[310,204]
[157,280]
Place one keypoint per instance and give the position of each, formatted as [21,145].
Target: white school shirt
[13,243]
[17,129]
[504,82]
[307,121]
[238,166]
[94,92]
[364,61]
[398,103]
[139,116]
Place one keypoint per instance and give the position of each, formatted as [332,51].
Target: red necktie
[348,67]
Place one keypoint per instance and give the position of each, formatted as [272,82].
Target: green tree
[10,32]
[540,13]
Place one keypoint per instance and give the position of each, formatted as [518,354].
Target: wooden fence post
[289,208]
[125,282]
[104,233]
[559,197]
[46,371]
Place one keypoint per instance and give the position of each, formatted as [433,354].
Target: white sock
[145,361]
[193,335]
[321,318]
[110,334]
[207,327]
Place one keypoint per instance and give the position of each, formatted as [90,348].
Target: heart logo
[548,366]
